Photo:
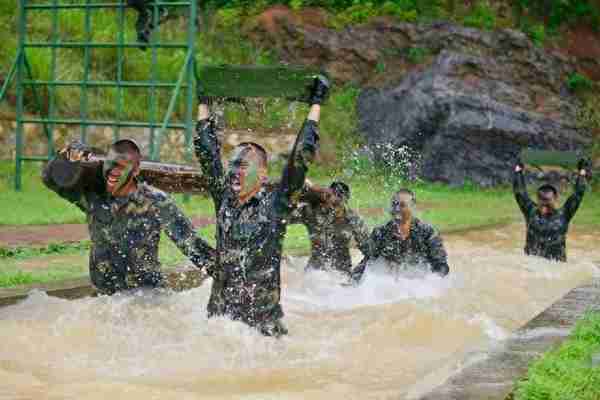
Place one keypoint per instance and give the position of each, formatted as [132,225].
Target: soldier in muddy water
[251,219]
[125,217]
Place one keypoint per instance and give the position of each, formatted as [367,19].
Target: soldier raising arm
[251,220]
[547,224]
[125,217]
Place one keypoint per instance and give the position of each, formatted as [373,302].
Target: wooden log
[171,178]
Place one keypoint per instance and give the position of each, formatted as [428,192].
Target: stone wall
[277,143]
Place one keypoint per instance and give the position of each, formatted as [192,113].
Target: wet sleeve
[371,251]
[208,151]
[75,195]
[436,253]
[520,191]
[180,230]
[574,201]
[294,173]
[360,232]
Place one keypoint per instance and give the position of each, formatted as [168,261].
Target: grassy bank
[572,371]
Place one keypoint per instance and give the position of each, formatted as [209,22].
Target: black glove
[584,163]
[319,90]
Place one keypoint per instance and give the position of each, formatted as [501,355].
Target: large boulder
[469,116]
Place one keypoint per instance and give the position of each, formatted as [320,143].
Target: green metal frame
[21,73]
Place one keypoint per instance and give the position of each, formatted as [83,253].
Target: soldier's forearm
[314,114]
[203,112]
[519,185]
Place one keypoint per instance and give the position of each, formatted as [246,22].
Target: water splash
[372,341]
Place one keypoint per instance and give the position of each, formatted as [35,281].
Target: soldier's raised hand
[75,151]
[319,90]
[584,167]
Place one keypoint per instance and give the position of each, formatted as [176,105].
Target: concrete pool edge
[179,279]
[494,377]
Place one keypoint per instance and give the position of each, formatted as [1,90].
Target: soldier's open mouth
[236,184]
[113,178]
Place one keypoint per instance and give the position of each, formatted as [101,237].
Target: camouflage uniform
[250,236]
[546,234]
[423,246]
[125,232]
[329,234]
[145,21]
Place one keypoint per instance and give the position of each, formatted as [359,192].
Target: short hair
[126,146]
[259,149]
[340,188]
[408,192]
[548,188]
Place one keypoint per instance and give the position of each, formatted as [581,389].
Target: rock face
[469,117]
[465,100]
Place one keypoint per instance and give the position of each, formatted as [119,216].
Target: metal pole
[83,111]
[189,90]
[36,96]
[188,60]
[153,98]
[19,132]
[52,89]
[9,77]
[120,61]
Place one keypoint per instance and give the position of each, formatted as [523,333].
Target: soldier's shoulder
[425,227]
[154,194]
[382,229]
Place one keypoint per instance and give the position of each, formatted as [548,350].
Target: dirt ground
[41,235]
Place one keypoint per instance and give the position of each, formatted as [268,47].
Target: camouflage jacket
[250,236]
[424,245]
[546,235]
[330,235]
[125,233]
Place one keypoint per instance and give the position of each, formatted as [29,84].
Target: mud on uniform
[423,245]
[329,234]
[547,234]
[125,233]
[247,286]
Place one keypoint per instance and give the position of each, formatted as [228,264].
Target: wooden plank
[293,83]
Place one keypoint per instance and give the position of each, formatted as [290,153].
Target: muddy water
[393,337]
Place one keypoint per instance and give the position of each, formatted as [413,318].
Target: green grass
[572,371]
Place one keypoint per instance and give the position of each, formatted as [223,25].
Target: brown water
[390,338]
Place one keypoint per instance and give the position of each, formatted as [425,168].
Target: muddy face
[247,172]
[547,202]
[402,207]
[120,171]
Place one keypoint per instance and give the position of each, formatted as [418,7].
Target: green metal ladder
[21,73]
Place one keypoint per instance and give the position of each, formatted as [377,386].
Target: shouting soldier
[125,218]
[547,224]
[405,240]
[251,219]
[331,225]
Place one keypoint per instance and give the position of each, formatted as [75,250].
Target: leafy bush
[416,55]
[482,16]
[577,81]
[537,33]
[559,12]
